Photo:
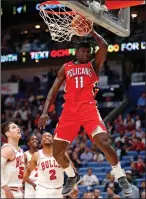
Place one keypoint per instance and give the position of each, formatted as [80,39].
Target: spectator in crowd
[17,112]
[107,178]
[130,127]
[137,145]
[113,185]
[98,156]
[120,138]
[86,156]
[10,101]
[139,133]
[118,120]
[140,166]
[142,101]
[135,173]
[110,127]
[77,163]
[128,119]
[96,194]
[88,195]
[143,195]
[137,122]
[110,193]
[129,176]
[90,179]
[143,187]
[120,128]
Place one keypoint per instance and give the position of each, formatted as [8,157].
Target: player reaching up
[12,162]
[80,110]
[30,185]
[50,174]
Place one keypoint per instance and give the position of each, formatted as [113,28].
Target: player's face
[83,55]
[33,141]
[47,139]
[14,131]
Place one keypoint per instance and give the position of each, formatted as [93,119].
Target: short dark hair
[83,44]
[5,127]
[31,135]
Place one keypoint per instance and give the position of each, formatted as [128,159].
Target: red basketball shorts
[76,115]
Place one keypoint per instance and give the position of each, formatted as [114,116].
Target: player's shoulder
[7,147]
[67,64]
[7,151]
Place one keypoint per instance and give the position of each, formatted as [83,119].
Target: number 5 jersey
[14,170]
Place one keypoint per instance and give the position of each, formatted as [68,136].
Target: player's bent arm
[31,166]
[100,55]
[54,90]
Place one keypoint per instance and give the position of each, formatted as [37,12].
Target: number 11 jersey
[80,81]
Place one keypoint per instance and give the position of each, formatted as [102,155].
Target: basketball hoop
[59,21]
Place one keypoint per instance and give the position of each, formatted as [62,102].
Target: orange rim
[52,12]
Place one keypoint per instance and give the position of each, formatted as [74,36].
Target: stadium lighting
[37,26]
[133,15]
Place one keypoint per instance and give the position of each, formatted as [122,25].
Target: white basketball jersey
[14,170]
[34,174]
[50,174]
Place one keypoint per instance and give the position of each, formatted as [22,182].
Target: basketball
[81,26]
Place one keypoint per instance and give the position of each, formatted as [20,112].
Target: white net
[60,22]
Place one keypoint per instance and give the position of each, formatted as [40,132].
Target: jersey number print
[52,174]
[79,82]
[21,173]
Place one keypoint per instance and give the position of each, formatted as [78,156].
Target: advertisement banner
[9,88]
[60,53]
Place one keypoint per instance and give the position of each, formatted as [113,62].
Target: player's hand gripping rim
[43,121]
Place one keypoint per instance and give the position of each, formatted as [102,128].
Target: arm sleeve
[3,162]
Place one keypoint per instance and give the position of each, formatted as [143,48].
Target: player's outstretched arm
[100,55]
[51,97]
[7,153]
[31,166]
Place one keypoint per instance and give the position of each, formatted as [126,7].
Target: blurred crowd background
[120,95]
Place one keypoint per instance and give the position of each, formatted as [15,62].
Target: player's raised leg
[102,141]
[59,148]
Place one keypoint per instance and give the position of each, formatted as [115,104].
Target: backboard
[118,25]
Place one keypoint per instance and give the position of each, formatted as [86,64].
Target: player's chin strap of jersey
[3,162]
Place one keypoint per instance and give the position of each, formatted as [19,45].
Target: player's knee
[102,139]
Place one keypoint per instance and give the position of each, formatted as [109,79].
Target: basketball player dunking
[50,175]
[12,162]
[80,110]
[30,185]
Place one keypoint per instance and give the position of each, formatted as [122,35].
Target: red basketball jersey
[80,81]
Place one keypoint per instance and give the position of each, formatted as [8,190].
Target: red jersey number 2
[52,174]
